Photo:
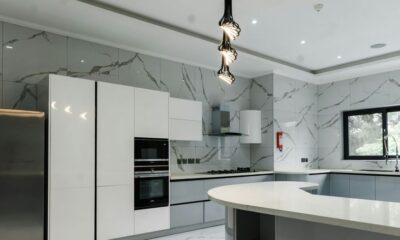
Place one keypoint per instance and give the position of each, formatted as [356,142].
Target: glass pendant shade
[230,27]
[229,53]
[225,75]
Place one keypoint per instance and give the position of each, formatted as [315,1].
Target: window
[367,132]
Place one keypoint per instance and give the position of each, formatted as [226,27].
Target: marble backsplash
[377,90]
[29,55]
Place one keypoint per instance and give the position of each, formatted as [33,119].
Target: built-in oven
[151,173]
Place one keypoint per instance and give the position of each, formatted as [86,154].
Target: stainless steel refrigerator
[22,175]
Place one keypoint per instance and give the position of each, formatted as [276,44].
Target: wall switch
[179,160]
[197,160]
[191,161]
[303,160]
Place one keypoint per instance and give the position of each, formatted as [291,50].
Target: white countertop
[188,176]
[287,199]
[342,171]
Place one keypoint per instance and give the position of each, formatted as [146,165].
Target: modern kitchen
[215,119]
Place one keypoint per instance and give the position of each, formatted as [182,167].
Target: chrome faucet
[385,143]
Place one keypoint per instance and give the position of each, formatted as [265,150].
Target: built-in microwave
[151,149]
[151,173]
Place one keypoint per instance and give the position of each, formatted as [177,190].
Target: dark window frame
[346,114]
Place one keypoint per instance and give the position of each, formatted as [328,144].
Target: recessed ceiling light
[9,47]
[339,57]
[82,60]
[254,21]
[378,45]
[303,42]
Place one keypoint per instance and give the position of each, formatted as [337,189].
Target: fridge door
[22,185]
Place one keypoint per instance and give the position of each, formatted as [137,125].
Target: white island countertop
[288,199]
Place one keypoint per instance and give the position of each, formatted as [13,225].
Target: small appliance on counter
[151,173]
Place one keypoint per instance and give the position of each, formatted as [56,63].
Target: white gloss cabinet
[151,113]
[151,220]
[185,119]
[115,134]
[250,126]
[71,158]
[115,161]
[115,212]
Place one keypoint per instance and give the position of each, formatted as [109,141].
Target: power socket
[304,160]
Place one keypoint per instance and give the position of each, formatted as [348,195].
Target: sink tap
[385,143]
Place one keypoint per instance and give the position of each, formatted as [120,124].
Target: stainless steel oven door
[151,189]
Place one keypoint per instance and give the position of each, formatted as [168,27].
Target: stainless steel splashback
[22,175]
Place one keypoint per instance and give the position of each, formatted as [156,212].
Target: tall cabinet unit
[115,161]
[71,172]
[151,121]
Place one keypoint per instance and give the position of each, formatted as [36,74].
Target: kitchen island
[288,211]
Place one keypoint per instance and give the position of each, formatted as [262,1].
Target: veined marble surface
[288,199]
[372,91]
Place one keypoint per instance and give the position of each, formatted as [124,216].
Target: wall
[377,90]
[295,113]
[35,54]
[290,106]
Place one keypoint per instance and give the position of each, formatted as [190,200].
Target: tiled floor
[213,233]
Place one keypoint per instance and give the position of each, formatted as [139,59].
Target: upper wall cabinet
[151,113]
[250,126]
[115,134]
[185,119]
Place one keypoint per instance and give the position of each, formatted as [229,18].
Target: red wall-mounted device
[279,144]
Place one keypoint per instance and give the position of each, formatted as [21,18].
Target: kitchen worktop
[192,176]
[338,171]
[288,199]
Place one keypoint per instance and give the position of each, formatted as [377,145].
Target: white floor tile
[213,233]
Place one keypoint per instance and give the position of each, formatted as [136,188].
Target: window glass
[393,120]
[365,135]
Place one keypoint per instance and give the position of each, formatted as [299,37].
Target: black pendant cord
[228,9]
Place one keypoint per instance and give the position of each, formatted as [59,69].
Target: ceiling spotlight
[318,7]
[229,53]
[230,27]
[254,21]
[339,57]
[9,47]
[82,61]
[378,45]
[225,75]
[303,42]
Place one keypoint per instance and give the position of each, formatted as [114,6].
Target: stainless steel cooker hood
[221,123]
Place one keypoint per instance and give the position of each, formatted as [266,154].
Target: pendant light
[225,75]
[230,27]
[229,53]
[231,31]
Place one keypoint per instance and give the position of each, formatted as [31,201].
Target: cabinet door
[213,211]
[187,191]
[115,212]
[340,185]
[323,181]
[71,158]
[185,130]
[115,134]
[186,214]
[152,219]
[151,113]
[388,188]
[185,109]
[362,186]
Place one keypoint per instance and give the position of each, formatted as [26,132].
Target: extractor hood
[221,123]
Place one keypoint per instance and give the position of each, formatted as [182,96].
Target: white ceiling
[343,27]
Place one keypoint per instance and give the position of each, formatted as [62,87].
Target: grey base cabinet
[340,185]
[187,214]
[213,211]
[190,204]
[388,188]
[362,186]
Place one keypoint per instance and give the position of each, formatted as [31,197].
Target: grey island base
[245,225]
[290,211]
